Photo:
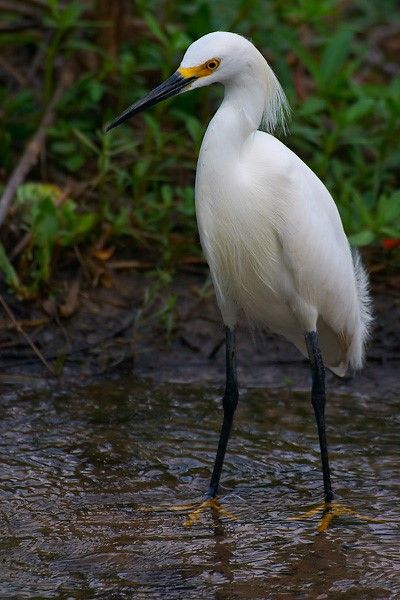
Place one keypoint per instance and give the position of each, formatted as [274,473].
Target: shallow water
[89,478]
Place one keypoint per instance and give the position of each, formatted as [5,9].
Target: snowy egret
[269,229]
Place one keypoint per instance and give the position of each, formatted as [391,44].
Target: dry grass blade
[17,325]
[130,264]
[13,71]
[70,305]
[5,324]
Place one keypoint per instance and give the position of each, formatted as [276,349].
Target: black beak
[172,86]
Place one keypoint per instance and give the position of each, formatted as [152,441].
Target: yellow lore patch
[201,70]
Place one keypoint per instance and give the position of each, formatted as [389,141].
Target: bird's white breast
[238,219]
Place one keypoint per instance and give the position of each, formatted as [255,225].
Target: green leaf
[364,210]
[96,90]
[6,267]
[85,140]
[186,205]
[389,209]
[358,110]
[200,21]
[80,227]
[312,106]
[335,54]
[32,193]
[45,224]
[166,195]
[362,238]
[155,28]
[154,125]
[390,232]
[63,147]
[74,163]
[307,59]
[192,124]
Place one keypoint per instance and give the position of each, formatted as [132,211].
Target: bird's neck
[238,117]
[246,96]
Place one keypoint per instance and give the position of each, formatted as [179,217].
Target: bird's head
[214,58]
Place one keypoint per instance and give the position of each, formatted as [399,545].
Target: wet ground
[117,331]
[91,476]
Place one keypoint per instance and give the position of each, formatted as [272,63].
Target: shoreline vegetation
[81,210]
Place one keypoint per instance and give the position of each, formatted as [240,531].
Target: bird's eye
[212,64]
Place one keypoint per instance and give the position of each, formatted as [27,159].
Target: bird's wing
[315,251]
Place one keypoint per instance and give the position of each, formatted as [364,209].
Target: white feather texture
[269,228]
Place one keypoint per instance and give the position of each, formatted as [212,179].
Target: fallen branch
[31,154]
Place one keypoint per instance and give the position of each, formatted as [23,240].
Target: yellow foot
[331,510]
[196,510]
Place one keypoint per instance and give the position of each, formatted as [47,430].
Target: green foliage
[345,124]
[381,219]
[51,221]
[9,272]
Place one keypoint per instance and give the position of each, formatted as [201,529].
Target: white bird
[269,228]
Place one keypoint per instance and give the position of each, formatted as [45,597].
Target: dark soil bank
[110,335]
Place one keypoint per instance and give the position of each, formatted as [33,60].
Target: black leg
[318,401]
[229,403]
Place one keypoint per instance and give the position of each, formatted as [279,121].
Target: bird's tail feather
[357,348]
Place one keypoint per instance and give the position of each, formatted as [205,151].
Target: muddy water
[89,478]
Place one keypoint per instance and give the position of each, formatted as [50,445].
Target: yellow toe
[330,511]
[196,510]
[212,503]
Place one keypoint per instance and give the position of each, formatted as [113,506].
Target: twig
[38,61]
[23,8]
[5,324]
[33,148]
[21,27]
[7,66]
[124,324]
[26,336]
[85,271]
[70,304]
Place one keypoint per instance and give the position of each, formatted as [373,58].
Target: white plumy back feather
[357,348]
[276,109]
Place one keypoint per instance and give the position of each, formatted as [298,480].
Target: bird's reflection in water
[223,548]
[326,558]
[320,566]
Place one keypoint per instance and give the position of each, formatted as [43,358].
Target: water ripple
[89,479]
